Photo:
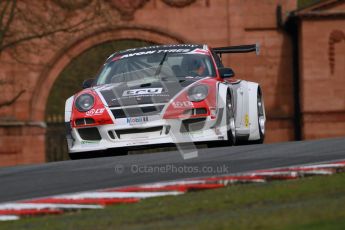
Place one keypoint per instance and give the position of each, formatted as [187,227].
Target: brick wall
[217,23]
[21,144]
[322,76]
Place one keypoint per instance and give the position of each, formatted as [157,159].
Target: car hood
[137,93]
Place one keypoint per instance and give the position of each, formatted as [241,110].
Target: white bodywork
[244,99]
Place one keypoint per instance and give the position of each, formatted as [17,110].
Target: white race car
[168,94]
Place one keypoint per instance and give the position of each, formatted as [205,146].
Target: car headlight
[84,102]
[198,93]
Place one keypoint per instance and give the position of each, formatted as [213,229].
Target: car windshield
[153,67]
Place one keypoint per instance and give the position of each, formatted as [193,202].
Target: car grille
[139,133]
[137,111]
[156,131]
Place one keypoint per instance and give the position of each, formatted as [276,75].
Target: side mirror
[88,83]
[226,72]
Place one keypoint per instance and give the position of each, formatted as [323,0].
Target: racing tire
[230,122]
[261,118]
[231,129]
[261,122]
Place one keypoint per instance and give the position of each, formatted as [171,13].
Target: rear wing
[237,49]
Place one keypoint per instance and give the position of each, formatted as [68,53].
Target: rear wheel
[261,122]
[261,118]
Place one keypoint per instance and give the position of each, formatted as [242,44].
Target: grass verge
[309,203]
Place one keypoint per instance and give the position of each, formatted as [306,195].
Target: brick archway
[62,59]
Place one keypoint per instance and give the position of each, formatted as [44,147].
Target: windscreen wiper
[161,64]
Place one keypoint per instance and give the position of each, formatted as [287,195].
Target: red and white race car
[168,94]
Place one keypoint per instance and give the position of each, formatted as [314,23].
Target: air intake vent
[197,111]
[190,125]
[84,121]
[137,111]
[90,134]
[137,132]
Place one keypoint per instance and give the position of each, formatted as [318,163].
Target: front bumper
[127,133]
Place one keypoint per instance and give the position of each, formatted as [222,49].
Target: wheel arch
[223,90]
[253,90]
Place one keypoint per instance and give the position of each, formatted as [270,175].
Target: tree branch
[43,21]
[3,12]
[39,29]
[10,17]
[13,100]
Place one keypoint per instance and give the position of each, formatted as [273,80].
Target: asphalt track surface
[30,181]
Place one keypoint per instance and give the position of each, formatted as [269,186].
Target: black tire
[229,113]
[230,121]
[260,106]
[260,110]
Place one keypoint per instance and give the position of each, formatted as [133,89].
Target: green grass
[310,203]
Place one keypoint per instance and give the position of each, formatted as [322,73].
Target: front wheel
[230,121]
[230,125]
